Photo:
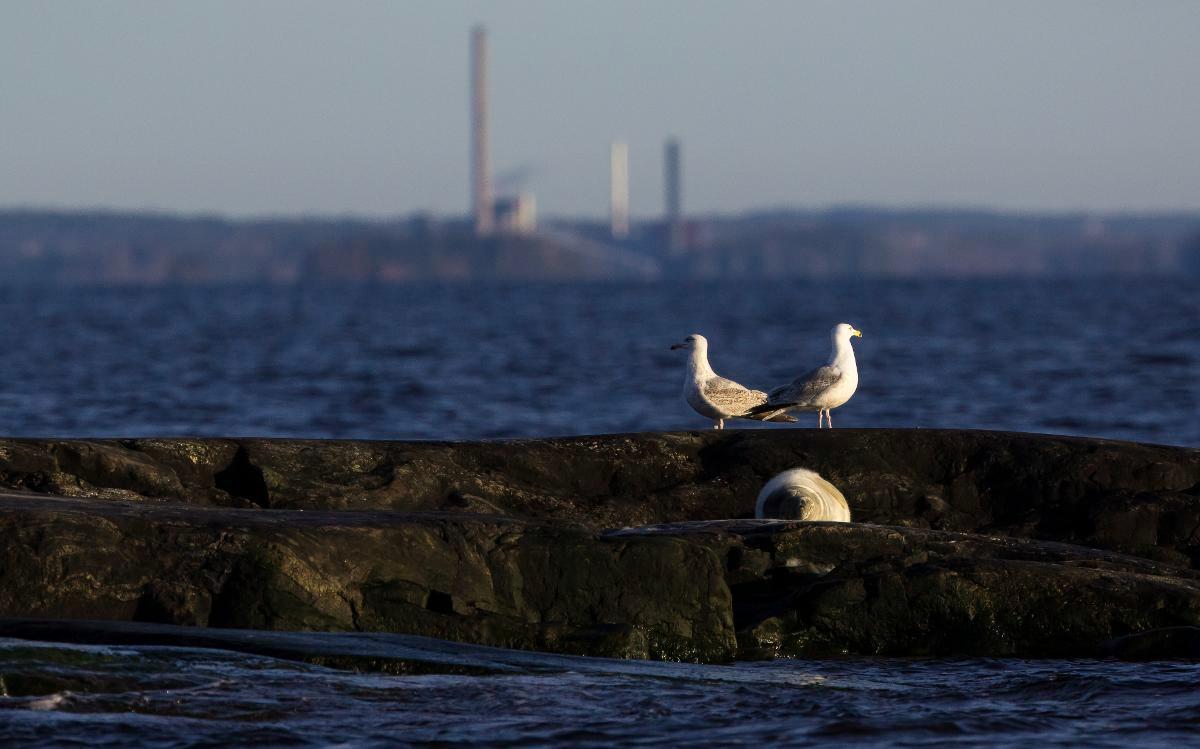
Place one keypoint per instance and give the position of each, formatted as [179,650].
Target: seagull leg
[820,418]
[718,424]
[829,417]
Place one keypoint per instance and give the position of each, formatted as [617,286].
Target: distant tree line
[118,248]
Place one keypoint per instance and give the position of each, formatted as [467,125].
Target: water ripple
[534,360]
[177,698]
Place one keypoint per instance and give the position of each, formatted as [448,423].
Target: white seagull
[714,396]
[824,388]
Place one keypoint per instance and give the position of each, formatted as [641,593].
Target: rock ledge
[972,542]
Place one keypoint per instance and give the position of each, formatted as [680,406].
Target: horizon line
[465,216]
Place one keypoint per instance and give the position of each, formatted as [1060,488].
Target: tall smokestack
[481,177]
[619,192]
[673,199]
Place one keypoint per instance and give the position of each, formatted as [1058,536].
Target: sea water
[180,698]
[1115,358]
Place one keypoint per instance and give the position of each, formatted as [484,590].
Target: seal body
[801,494]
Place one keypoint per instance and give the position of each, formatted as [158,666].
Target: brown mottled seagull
[714,396]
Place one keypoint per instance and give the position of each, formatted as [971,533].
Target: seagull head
[693,342]
[845,331]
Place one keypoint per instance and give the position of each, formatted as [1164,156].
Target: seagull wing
[732,397]
[802,390]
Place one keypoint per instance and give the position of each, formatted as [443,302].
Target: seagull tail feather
[780,418]
[772,409]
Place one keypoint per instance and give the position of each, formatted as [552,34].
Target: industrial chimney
[619,189]
[481,178]
[673,199]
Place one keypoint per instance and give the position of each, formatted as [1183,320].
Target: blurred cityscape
[503,239]
[110,248]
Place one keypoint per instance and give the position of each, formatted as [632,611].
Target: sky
[286,107]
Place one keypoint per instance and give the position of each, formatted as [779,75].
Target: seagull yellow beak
[856,332]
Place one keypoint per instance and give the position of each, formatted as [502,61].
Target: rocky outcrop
[804,589]
[1168,643]
[468,577]
[358,651]
[625,545]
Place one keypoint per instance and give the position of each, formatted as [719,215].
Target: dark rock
[393,654]
[1140,499]
[243,480]
[358,651]
[1168,643]
[465,577]
[838,588]
[503,543]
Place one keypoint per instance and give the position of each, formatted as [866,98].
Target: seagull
[821,390]
[714,396]
[801,494]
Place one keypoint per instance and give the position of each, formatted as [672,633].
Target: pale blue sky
[285,107]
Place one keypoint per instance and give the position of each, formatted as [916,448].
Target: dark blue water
[1114,358]
[176,698]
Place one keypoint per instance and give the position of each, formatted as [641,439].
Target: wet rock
[848,588]
[1168,643]
[702,591]
[466,577]
[391,654]
[506,543]
[1140,499]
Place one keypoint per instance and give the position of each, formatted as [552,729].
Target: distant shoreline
[114,248]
